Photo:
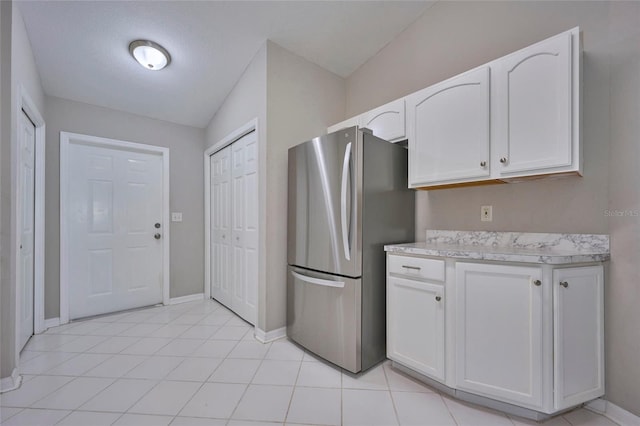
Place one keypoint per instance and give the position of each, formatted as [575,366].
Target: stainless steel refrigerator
[348,197]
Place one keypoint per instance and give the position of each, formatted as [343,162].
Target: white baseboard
[51,322]
[10,383]
[185,299]
[613,412]
[270,336]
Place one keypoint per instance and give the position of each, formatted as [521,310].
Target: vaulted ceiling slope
[81,47]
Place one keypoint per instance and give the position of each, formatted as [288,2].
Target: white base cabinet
[499,329]
[416,297]
[528,335]
[409,341]
[578,314]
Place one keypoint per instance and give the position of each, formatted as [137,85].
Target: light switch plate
[176,217]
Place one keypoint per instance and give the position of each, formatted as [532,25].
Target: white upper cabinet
[353,121]
[515,117]
[537,115]
[386,122]
[449,130]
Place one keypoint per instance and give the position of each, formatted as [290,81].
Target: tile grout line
[293,390]
[248,384]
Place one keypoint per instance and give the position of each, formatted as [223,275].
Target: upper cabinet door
[536,110]
[386,122]
[448,126]
[353,121]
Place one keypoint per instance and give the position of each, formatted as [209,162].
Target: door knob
[157,236]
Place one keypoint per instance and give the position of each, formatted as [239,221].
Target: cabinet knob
[157,236]
[537,282]
[564,284]
[438,298]
[483,164]
[503,160]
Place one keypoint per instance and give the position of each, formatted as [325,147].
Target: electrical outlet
[176,217]
[486,213]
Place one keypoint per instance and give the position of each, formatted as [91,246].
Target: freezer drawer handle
[343,202]
[318,281]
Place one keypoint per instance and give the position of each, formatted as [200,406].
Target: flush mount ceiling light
[150,55]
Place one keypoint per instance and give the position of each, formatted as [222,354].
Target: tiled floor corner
[198,364]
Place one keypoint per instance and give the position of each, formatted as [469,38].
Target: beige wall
[6,311]
[186,186]
[302,101]
[23,73]
[248,101]
[452,37]
[293,100]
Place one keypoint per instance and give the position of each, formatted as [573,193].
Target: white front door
[115,229]
[27,144]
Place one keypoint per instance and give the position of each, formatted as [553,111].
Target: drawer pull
[415,268]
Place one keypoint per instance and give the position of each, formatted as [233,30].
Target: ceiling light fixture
[150,55]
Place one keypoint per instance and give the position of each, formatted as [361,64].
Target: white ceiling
[81,47]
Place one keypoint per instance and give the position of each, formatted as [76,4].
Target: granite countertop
[510,247]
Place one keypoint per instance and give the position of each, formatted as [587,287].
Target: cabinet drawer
[416,267]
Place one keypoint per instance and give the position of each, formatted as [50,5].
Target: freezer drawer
[324,315]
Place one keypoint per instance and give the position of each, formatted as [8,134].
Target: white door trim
[26,104]
[66,139]
[224,142]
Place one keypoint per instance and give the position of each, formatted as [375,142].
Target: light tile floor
[199,364]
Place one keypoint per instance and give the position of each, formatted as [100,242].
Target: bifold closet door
[221,226]
[234,225]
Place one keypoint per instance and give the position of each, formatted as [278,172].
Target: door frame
[66,139]
[249,127]
[26,104]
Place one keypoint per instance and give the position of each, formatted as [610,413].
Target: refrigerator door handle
[318,281]
[343,202]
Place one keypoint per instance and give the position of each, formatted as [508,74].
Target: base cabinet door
[578,335]
[415,325]
[499,332]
